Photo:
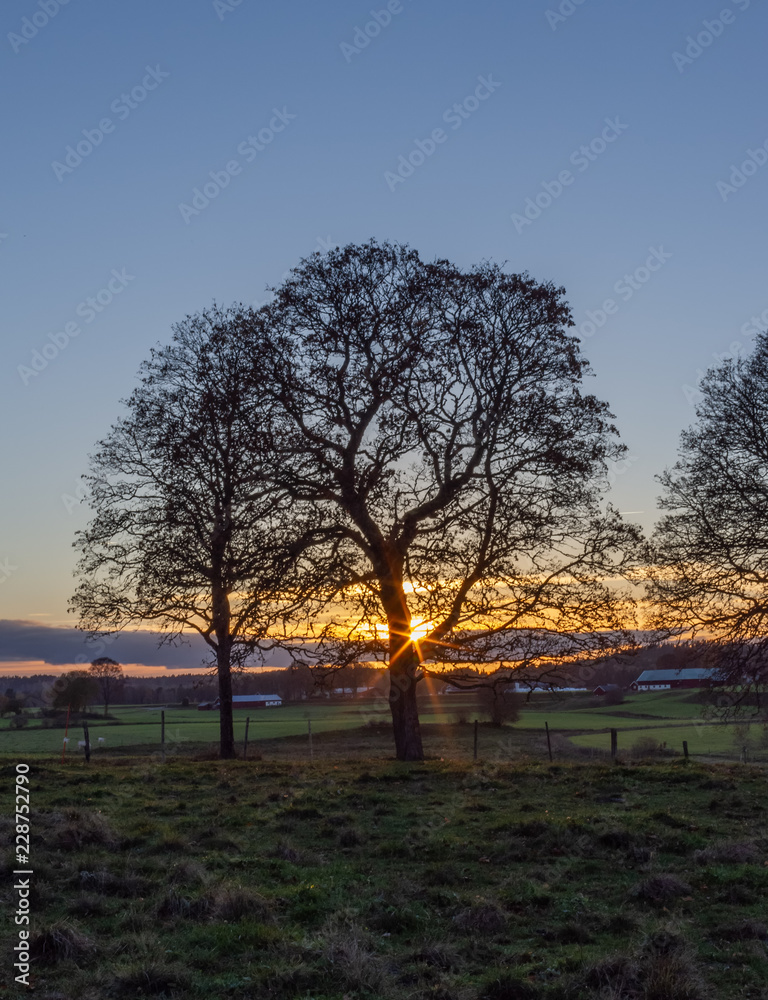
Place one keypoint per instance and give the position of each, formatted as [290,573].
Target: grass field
[364,878]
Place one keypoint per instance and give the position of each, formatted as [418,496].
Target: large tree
[709,562]
[434,421]
[180,536]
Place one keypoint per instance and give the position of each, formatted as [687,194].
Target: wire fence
[459,741]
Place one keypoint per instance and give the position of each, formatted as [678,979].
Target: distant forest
[300,683]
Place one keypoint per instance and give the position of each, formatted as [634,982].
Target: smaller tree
[613,696]
[109,675]
[499,702]
[11,705]
[708,565]
[75,690]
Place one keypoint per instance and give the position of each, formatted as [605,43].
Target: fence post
[614,744]
[685,748]
[66,734]
[744,753]
[245,742]
[549,742]
[87,747]
[309,731]
[162,735]
[474,753]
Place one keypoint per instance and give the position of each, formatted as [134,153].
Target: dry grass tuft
[231,903]
[661,889]
[188,873]
[508,987]
[350,837]
[728,853]
[150,979]
[109,884]
[747,930]
[484,918]
[173,906]
[439,956]
[79,828]
[285,852]
[60,942]
[673,977]
[347,947]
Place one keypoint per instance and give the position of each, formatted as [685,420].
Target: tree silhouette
[75,690]
[109,675]
[179,536]
[433,421]
[709,560]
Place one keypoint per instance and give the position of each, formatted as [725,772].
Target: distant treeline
[300,683]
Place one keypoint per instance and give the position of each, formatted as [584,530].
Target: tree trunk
[226,724]
[403,670]
[221,618]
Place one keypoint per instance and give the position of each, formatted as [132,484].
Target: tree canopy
[74,690]
[109,675]
[433,421]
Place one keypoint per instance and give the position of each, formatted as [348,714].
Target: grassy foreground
[375,879]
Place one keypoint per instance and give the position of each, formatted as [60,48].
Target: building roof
[255,697]
[681,674]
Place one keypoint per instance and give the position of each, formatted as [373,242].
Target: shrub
[646,746]
[499,704]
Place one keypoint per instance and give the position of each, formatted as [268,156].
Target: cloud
[25,641]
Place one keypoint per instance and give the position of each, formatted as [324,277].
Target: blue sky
[534,82]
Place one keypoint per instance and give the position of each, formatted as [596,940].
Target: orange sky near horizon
[31,668]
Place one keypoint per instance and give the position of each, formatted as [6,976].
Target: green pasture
[580,711]
[703,739]
[668,716]
[140,725]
